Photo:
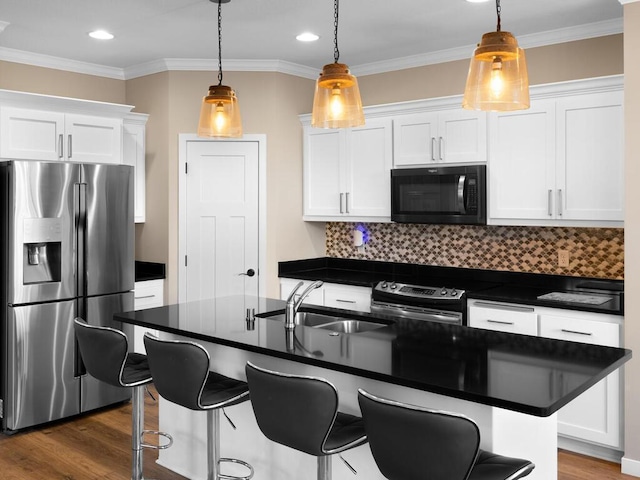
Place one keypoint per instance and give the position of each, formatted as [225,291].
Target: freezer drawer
[41,386]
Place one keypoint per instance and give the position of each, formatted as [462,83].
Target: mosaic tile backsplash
[593,252]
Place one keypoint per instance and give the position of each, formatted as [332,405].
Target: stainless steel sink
[331,322]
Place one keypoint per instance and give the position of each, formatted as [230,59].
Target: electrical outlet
[563,258]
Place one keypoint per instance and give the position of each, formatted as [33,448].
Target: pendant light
[497,77]
[336,102]
[220,112]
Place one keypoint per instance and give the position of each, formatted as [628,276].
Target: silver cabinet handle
[500,322]
[346,202]
[509,308]
[341,196]
[345,301]
[441,148]
[60,146]
[576,332]
[549,202]
[433,149]
[144,296]
[69,145]
[560,202]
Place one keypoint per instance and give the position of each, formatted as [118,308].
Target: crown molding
[598,29]
[624,2]
[57,63]
[551,37]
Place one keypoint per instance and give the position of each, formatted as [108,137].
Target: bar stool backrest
[293,410]
[179,369]
[103,351]
[413,443]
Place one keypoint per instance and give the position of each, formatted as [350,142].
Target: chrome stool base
[213,450]
[239,462]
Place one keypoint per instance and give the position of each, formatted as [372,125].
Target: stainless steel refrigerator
[67,250]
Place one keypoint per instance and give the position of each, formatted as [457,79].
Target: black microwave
[440,195]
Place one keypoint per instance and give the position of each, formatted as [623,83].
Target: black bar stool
[105,354]
[414,443]
[181,375]
[302,413]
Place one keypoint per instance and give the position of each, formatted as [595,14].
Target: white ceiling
[374,35]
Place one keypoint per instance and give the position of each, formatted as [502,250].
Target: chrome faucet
[293,305]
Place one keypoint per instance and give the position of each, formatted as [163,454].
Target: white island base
[503,431]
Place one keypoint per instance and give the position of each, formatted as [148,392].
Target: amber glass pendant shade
[336,102]
[220,113]
[497,79]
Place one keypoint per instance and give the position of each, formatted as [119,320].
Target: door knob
[250,273]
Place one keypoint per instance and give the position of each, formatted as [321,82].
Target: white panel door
[31,134]
[462,136]
[323,172]
[522,163]
[222,219]
[414,138]
[93,139]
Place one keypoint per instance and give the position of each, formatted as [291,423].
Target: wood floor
[98,446]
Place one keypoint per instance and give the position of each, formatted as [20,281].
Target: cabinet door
[348,297]
[31,134]
[414,139]
[316,297]
[462,136]
[93,139]
[594,416]
[368,189]
[323,151]
[590,157]
[503,318]
[522,163]
[148,294]
[133,153]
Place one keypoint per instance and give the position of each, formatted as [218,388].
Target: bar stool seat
[105,354]
[181,374]
[301,412]
[415,443]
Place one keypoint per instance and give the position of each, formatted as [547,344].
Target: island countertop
[531,375]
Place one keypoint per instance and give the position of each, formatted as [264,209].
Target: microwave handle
[461,205]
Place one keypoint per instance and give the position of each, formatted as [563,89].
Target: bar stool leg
[324,467]
[137,426]
[213,443]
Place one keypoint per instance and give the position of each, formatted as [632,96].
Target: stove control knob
[443,291]
[384,285]
[394,286]
[454,292]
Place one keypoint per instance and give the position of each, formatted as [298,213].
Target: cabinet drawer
[149,294]
[316,297]
[580,330]
[347,297]
[503,318]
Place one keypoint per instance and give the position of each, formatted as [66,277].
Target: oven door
[441,195]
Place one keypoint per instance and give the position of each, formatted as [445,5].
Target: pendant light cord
[219,42]
[498,11]
[336,52]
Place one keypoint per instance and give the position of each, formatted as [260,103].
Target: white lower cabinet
[596,416]
[148,294]
[347,297]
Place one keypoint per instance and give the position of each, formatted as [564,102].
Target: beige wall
[632,230]
[47,81]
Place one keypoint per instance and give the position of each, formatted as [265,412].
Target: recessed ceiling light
[307,37]
[101,35]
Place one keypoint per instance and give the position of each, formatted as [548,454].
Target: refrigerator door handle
[81,224]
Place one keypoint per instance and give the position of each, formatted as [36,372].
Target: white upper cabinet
[43,127]
[43,135]
[347,172]
[559,163]
[448,136]
[133,153]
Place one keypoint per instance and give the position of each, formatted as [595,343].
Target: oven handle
[404,311]
[461,204]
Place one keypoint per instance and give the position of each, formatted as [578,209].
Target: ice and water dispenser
[42,250]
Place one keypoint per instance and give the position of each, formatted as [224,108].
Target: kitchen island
[511,385]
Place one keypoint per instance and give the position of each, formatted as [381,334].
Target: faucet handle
[293,292]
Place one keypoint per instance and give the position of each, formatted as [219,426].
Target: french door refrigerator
[67,250]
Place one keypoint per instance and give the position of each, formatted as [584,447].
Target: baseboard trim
[589,449]
[630,467]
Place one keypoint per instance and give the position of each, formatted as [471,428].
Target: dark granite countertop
[482,366]
[149,271]
[514,287]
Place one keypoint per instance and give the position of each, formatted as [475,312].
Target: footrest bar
[239,462]
[150,446]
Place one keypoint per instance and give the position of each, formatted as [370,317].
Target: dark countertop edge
[149,271]
[482,284]
[128,317]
